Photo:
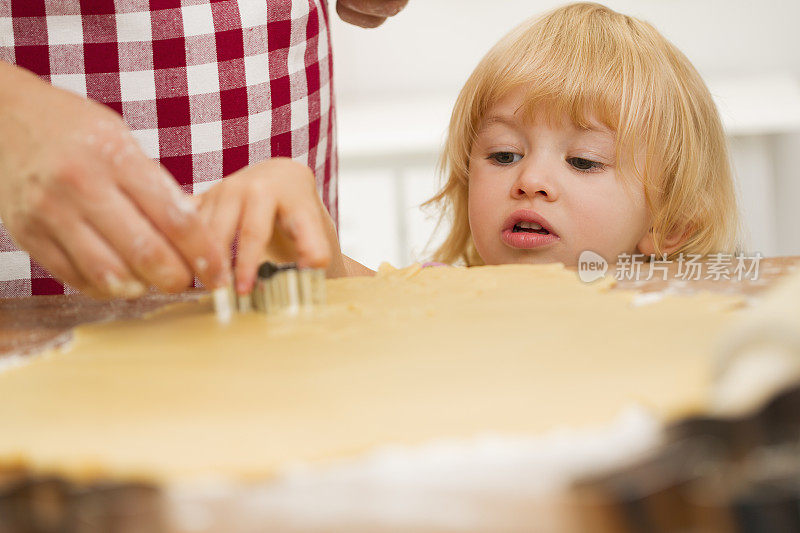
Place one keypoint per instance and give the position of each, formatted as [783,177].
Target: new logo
[591,266]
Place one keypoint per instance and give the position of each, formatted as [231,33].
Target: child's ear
[673,241]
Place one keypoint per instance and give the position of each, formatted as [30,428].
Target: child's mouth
[526,230]
[529,227]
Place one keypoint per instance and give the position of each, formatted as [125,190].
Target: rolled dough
[408,356]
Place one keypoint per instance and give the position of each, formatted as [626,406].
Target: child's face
[555,175]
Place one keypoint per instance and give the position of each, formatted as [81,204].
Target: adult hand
[274,208]
[368,13]
[79,195]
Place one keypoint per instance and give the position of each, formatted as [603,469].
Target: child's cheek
[601,226]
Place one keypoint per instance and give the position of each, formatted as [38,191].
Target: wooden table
[28,325]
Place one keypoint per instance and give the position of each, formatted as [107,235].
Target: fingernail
[186,205]
[122,289]
[112,281]
[133,289]
[242,286]
[183,202]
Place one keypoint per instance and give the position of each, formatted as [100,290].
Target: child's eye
[505,158]
[585,165]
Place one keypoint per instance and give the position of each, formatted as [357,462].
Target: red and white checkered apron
[207,86]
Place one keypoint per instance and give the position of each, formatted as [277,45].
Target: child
[592,125]
[584,129]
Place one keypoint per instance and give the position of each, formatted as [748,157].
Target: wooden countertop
[28,325]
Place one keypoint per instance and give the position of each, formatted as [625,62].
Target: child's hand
[274,208]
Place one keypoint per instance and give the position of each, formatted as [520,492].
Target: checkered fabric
[207,86]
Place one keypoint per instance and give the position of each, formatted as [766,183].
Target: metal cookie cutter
[281,288]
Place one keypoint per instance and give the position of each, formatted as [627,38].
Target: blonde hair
[588,61]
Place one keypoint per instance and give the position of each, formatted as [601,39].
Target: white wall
[434,44]
[395,86]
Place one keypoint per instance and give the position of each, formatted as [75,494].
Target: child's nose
[533,182]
